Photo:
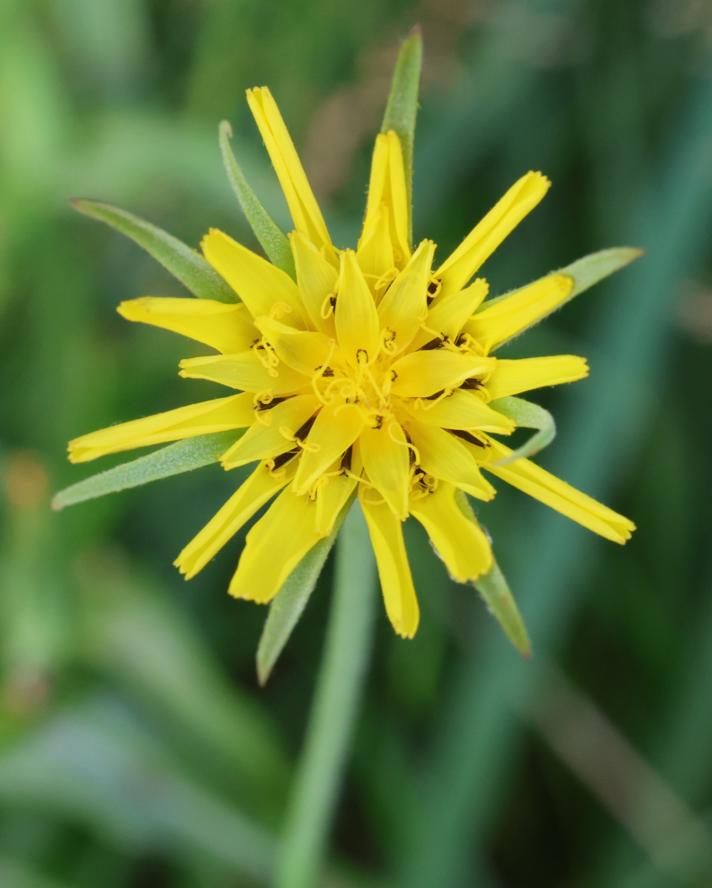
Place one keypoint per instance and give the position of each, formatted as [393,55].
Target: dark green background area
[135,746]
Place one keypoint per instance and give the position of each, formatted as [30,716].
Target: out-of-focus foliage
[135,745]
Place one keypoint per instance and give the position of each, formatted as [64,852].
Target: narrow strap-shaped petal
[388,195]
[423,373]
[386,459]
[317,280]
[245,371]
[302,350]
[525,374]
[225,327]
[273,432]
[249,497]
[448,316]
[302,204]
[357,326]
[443,456]
[488,234]
[334,431]
[399,597]
[216,415]
[461,410]
[375,250]
[331,497]
[505,317]
[263,287]
[404,306]
[458,540]
[274,547]
[557,494]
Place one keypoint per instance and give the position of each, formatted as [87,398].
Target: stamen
[328,306]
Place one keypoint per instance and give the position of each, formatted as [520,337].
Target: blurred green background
[136,748]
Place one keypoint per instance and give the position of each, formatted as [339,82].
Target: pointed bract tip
[225,129]
[415,31]
[56,504]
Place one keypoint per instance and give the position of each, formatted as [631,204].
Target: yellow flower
[372,372]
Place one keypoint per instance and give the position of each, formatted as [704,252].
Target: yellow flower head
[368,372]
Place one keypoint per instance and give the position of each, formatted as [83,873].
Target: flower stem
[338,691]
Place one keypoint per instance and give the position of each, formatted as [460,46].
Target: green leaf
[402,105]
[290,601]
[500,602]
[185,264]
[183,456]
[497,596]
[528,416]
[271,237]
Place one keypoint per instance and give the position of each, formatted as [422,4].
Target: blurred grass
[135,746]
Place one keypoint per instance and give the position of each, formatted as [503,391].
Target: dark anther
[394,376]
[332,300]
[269,404]
[433,290]
[304,429]
[468,436]
[327,371]
[472,383]
[434,343]
[378,422]
[283,458]
[362,355]
[346,461]
[460,339]
[434,396]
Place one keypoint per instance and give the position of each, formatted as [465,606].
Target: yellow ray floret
[300,198]
[387,208]
[458,540]
[525,374]
[557,494]
[226,328]
[217,415]
[488,234]
[393,569]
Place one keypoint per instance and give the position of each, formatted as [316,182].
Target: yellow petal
[273,432]
[447,316]
[316,278]
[375,250]
[458,540]
[423,373]
[386,459]
[302,350]
[216,415]
[460,410]
[334,431]
[508,315]
[249,497]
[245,371]
[443,456]
[399,597]
[387,197]
[488,234]
[300,198]
[513,377]
[404,306]
[331,497]
[274,547]
[227,328]
[357,327]
[264,288]
[557,494]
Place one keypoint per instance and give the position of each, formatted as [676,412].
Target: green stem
[338,691]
